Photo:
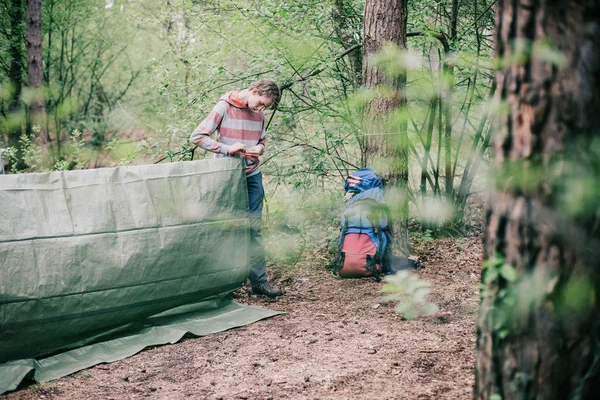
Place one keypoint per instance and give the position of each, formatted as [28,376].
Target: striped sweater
[234,122]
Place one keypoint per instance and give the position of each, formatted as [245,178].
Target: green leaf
[490,275]
[493,261]
[509,273]
[503,333]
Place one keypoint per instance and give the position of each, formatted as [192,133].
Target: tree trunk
[385,21]
[35,80]
[449,75]
[16,50]
[539,329]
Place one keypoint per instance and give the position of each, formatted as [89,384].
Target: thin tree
[35,80]
[16,16]
[539,323]
[385,22]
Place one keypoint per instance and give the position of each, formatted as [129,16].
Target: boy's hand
[354,180]
[254,152]
[237,149]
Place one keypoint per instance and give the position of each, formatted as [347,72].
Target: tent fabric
[210,318]
[93,256]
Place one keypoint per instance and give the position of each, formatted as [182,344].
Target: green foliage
[301,221]
[87,72]
[39,159]
[446,112]
[394,63]
[210,51]
[77,146]
[516,297]
[525,51]
[159,67]
[426,235]
[576,296]
[572,176]
[497,277]
[576,175]
[33,154]
[37,386]
[545,51]
[522,176]
[495,267]
[410,292]
[459,244]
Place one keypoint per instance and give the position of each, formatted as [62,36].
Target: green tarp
[95,265]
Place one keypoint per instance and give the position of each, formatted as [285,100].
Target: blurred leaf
[545,51]
[491,274]
[509,272]
[410,292]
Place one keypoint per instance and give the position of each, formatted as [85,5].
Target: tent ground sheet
[96,265]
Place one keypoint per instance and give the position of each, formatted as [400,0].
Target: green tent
[97,264]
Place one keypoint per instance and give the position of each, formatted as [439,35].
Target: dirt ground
[338,340]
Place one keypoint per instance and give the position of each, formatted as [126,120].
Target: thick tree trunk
[539,330]
[385,21]
[35,81]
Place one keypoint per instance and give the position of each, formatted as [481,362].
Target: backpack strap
[381,250]
[341,256]
[373,260]
[340,262]
[379,234]
[372,266]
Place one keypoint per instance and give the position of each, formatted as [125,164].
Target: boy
[239,122]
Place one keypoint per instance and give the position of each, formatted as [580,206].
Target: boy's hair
[267,88]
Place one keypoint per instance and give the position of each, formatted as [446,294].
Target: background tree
[539,324]
[384,136]
[79,79]
[454,39]
[35,76]
[13,65]
[135,77]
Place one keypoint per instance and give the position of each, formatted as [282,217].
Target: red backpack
[358,257]
[364,222]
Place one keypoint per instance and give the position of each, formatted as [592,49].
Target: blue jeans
[256,194]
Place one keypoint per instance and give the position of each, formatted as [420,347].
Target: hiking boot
[266,288]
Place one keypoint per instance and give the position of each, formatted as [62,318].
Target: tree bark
[17,66]
[386,21]
[539,330]
[35,81]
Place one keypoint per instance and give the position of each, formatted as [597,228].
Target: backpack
[364,227]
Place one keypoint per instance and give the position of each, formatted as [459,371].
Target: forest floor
[337,340]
